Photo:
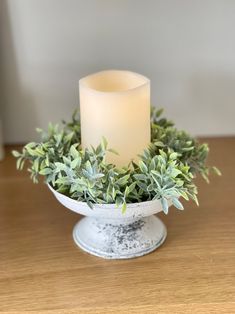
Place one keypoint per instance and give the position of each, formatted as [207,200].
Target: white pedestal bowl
[107,232]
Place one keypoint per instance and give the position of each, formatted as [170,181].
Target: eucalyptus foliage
[165,171]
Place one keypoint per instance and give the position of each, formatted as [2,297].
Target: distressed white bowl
[108,233]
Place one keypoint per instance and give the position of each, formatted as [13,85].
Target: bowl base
[119,238]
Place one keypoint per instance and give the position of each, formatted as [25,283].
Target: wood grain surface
[42,271]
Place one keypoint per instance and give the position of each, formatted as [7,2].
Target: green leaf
[187,149]
[124,207]
[30,145]
[68,137]
[152,164]
[89,204]
[127,191]
[151,187]
[141,177]
[177,203]
[45,171]
[111,150]
[143,167]
[22,164]
[63,180]
[47,161]
[173,156]
[143,186]
[73,152]
[216,171]
[164,205]
[159,112]
[132,187]
[89,167]
[60,166]
[40,151]
[98,175]
[15,153]
[36,164]
[32,152]
[194,197]
[179,183]
[163,155]
[205,177]
[175,172]
[114,193]
[118,201]
[38,130]
[104,143]
[159,144]
[76,163]
[184,195]
[123,180]
[18,163]
[66,161]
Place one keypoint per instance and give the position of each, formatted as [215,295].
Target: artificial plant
[166,169]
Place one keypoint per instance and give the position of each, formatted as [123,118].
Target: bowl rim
[106,205]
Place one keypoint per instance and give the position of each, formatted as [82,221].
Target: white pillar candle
[116,105]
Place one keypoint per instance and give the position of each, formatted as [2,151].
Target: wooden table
[41,269]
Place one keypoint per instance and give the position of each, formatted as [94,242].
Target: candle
[116,105]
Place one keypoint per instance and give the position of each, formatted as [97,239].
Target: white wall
[186,48]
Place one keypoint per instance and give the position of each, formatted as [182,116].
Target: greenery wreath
[166,169]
